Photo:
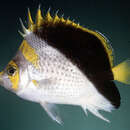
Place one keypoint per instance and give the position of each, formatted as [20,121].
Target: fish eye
[11,70]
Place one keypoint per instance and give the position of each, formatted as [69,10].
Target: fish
[62,62]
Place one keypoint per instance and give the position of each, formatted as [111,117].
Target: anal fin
[52,111]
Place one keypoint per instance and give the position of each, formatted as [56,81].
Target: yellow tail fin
[122,72]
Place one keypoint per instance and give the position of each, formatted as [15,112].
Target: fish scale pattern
[65,77]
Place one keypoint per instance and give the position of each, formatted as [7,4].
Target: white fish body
[59,81]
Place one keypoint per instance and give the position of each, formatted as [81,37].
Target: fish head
[9,77]
[15,75]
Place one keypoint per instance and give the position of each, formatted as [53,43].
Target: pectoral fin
[52,111]
[43,83]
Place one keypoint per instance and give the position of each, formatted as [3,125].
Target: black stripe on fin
[109,90]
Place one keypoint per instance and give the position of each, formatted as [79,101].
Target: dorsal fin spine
[39,18]
[53,21]
[30,21]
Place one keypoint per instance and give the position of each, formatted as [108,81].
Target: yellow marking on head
[35,82]
[29,53]
[15,77]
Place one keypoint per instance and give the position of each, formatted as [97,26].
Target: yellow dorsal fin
[68,21]
[39,18]
[48,17]
[121,72]
[40,21]
[30,21]
[56,19]
[62,20]
[107,47]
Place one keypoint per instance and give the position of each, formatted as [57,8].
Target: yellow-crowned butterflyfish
[61,62]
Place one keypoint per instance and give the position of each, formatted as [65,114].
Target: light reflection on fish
[61,62]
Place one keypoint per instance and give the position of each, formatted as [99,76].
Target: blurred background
[112,18]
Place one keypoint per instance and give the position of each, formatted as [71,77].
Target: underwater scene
[65,65]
